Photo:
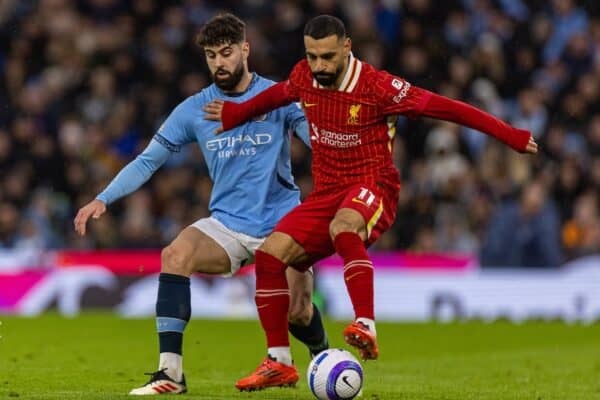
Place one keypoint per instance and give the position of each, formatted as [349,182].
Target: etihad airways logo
[334,139]
[239,145]
[231,141]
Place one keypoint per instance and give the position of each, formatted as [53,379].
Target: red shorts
[308,223]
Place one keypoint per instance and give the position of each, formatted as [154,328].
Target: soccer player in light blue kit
[253,188]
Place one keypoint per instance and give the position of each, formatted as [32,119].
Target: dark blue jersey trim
[286,184]
[173,148]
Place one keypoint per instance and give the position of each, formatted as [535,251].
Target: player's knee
[281,247]
[175,261]
[270,247]
[338,226]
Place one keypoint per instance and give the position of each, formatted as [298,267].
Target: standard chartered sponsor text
[336,139]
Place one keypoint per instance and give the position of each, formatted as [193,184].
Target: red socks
[272,298]
[272,293]
[358,272]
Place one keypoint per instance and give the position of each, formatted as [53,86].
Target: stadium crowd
[85,84]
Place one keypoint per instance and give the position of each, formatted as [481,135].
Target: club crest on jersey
[353,111]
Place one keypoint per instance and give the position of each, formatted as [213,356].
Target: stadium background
[482,232]
[85,84]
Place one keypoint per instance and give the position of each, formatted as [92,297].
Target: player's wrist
[519,139]
[102,199]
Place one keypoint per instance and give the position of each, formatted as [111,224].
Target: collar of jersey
[250,86]
[350,78]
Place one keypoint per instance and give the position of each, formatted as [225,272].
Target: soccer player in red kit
[351,108]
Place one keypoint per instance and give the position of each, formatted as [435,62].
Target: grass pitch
[100,356]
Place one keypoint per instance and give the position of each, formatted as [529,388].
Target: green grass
[99,356]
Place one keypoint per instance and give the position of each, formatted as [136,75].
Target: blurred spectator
[447,166]
[485,96]
[452,231]
[567,21]
[581,233]
[9,220]
[530,113]
[524,233]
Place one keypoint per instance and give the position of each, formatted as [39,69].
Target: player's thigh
[301,289]
[238,247]
[348,220]
[367,210]
[194,251]
[307,226]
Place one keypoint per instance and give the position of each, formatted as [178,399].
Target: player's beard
[328,78]
[231,80]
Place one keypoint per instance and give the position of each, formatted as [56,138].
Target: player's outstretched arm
[441,107]
[128,180]
[232,114]
[94,209]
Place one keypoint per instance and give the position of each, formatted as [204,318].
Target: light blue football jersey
[253,186]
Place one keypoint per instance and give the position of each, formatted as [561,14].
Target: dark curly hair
[221,29]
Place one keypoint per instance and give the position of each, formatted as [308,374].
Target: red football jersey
[352,129]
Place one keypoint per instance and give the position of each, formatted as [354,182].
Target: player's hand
[532,147]
[214,111]
[94,209]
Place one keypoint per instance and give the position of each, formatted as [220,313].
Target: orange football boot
[269,373]
[358,335]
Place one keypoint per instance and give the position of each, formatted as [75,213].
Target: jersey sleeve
[173,133]
[234,114]
[295,80]
[456,111]
[295,120]
[136,173]
[398,97]
[176,130]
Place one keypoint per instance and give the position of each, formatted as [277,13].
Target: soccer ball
[334,374]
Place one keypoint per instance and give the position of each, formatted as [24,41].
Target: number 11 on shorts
[365,197]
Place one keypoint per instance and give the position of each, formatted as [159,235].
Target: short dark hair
[324,25]
[221,29]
